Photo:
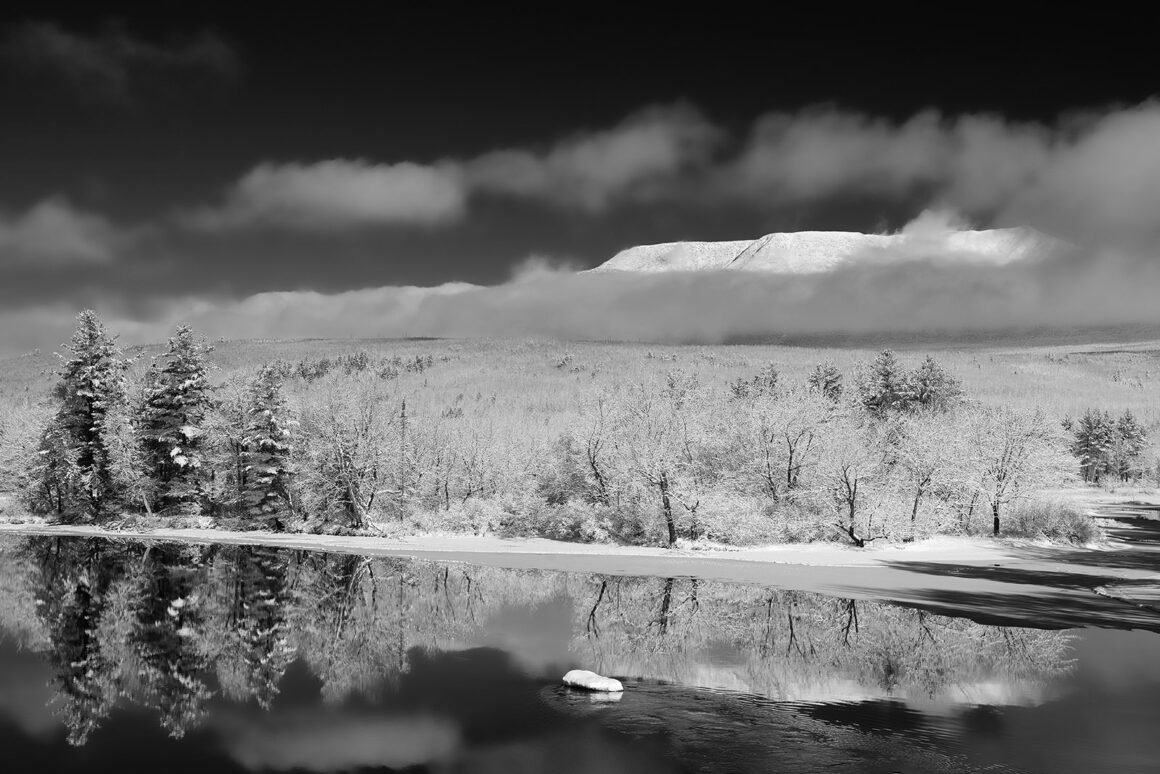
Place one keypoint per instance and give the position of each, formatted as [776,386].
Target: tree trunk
[663,484]
[995,512]
[601,486]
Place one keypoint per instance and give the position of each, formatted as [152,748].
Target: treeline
[902,455]
[339,444]
[1109,448]
[173,628]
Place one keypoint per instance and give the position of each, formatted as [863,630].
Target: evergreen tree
[82,468]
[1094,440]
[826,379]
[1131,440]
[930,386]
[177,398]
[266,443]
[763,385]
[884,387]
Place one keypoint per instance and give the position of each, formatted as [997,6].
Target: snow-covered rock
[582,678]
[806,252]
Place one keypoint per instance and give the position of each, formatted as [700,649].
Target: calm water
[126,656]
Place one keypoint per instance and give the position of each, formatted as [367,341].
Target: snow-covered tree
[930,386]
[884,385]
[853,475]
[826,380]
[928,453]
[1131,441]
[170,424]
[351,451]
[1093,443]
[1013,454]
[763,385]
[663,449]
[778,441]
[83,465]
[266,448]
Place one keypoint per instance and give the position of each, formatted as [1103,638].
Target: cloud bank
[53,233]
[589,172]
[335,194]
[908,295]
[1092,178]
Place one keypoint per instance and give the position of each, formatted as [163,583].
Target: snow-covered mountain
[804,252]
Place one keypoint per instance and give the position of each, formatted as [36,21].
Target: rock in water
[582,678]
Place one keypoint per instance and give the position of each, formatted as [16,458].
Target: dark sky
[129,132]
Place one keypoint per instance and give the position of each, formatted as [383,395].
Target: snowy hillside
[803,252]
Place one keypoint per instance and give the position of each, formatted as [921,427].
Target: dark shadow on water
[1047,610]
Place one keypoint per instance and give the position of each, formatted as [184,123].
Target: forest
[701,452]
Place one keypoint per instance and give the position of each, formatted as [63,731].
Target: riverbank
[993,581]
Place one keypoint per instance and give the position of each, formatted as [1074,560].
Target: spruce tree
[266,443]
[81,469]
[170,426]
[884,387]
[1094,439]
[826,379]
[930,386]
[1130,442]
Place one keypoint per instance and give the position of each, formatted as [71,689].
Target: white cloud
[54,233]
[1095,178]
[1092,178]
[110,61]
[592,170]
[334,194]
[912,294]
[587,171]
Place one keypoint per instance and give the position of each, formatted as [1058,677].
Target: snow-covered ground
[805,252]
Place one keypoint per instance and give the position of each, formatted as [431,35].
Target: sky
[308,169]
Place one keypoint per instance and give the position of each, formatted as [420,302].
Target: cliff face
[804,252]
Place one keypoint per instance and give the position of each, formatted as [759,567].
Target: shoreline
[1004,581]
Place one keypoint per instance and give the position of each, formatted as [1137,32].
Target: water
[127,656]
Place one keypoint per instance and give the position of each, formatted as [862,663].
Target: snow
[590,681]
[677,256]
[806,252]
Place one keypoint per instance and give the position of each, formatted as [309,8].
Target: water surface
[133,656]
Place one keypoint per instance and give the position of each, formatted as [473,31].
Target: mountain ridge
[806,252]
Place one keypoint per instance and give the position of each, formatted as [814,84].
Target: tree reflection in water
[171,627]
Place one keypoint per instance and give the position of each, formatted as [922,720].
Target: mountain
[805,252]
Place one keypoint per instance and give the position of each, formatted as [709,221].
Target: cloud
[817,153]
[53,233]
[633,160]
[334,194]
[1093,177]
[111,62]
[908,294]
[590,171]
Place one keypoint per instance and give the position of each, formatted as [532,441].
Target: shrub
[1055,521]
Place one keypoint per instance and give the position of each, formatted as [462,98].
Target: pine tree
[763,385]
[170,426]
[930,386]
[81,468]
[266,471]
[1094,440]
[1130,442]
[826,379]
[884,387]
